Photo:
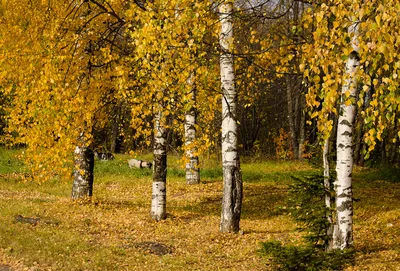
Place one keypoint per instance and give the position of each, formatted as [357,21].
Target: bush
[305,258]
[306,205]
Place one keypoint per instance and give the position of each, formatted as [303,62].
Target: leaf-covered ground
[114,231]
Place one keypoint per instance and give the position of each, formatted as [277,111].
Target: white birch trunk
[159,193]
[328,197]
[344,163]
[192,166]
[83,172]
[232,190]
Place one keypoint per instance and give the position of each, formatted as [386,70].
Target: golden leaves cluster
[171,48]
[68,63]
[325,56]
[53,75]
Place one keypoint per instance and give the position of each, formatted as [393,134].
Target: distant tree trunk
[344,163]
[358,141]
[383,151]
[159,193]
[115,126]
[293,85]
[368,97]
[362,156]
[192,166]
[83,172]
[232,190]
[292,114]
[393,150]
[302,127]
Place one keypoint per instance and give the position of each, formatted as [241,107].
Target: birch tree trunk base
[232,199]
[158,203]
[83,173]
[193,171]
[159,190]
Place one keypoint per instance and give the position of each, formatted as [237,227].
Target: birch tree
[344,147]
[232,177]
[341,66]
[192,166]
[159,190]
[83,173]
[166,38]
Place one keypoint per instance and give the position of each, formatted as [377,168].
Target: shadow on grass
[385,173]
[259,202]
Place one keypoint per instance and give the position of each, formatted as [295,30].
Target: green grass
[9,163]
[384,173]
[103,234]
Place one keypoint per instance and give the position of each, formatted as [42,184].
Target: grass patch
[385,173]
[106,233]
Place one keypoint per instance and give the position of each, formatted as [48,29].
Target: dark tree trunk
[114,135]
[302,127]
[292,114]
[358,144]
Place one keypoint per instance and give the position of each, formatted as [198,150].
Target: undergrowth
[306,205]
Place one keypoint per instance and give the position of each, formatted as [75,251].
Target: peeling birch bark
[159,193]
[344,163]
[232,178]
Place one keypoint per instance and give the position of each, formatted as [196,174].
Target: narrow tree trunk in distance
[159,193]
[114,135]
[393,150]
[358,142]
[344,163]
[232,177]
[83,172]
[368,98]
[362,156]
[291,115]
[383,151]
[302,127]
[192,166]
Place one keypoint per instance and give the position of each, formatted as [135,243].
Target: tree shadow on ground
[260,201]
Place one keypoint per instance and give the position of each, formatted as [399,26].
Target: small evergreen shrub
[306,205]
[305,258]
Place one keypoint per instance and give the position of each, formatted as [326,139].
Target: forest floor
[42,229]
